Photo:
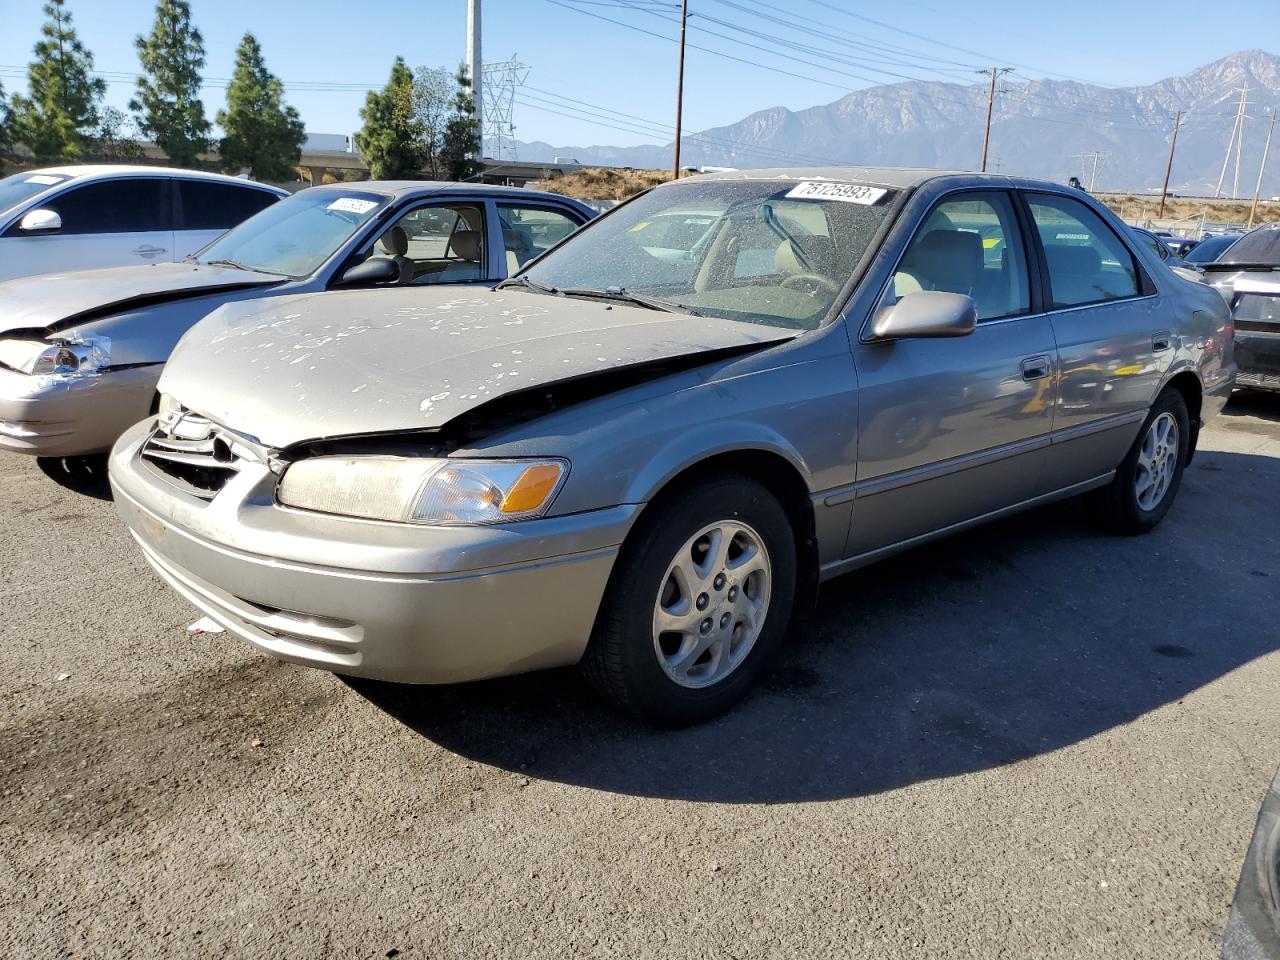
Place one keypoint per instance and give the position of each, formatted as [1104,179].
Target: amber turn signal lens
[532,488]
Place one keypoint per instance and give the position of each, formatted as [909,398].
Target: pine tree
[461,149]
[391,139]
[60,109]
[262,132]
[168,99]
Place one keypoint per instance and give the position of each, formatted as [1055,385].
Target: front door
[1114,343]
[953,429]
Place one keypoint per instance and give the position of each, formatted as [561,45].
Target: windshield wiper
[771,221]
[226,263]
[623,295]
[523,281]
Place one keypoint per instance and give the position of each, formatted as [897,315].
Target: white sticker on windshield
[352,205]
[844,192]
[44,178]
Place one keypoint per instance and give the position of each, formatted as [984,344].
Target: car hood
[58,300]
[314,366]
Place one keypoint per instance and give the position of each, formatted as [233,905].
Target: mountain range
[1048,129]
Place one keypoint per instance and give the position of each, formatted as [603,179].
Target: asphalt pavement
[1032,740]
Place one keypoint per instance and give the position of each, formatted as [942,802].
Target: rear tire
[1148,478]
[698,604]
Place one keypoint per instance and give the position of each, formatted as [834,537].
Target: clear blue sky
[617,70]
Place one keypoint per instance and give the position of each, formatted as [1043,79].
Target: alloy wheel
[1157,461]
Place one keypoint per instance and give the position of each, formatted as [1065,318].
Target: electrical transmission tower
[501,80]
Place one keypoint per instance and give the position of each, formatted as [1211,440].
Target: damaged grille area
[193,454]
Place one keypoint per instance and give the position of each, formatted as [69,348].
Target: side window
[442,243]
[1087,262]
[970,244]
[114,206]
[529,231]
[219,206]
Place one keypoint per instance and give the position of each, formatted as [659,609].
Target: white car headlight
[72,357]
[422,490]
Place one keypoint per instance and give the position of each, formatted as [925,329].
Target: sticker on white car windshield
[44,178]
[352,205]
[844,192]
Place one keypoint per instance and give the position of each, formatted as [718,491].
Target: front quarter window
[770,252]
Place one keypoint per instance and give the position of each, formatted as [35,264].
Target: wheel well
[1188,384]
[784,481]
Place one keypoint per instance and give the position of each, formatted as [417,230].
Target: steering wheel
[819,282]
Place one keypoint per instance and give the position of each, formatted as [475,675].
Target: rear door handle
[1161,341]
[148,251]
[1034,368]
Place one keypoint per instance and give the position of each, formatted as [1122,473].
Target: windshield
[1259,246]
[295,236]
[762,251]
[22,186]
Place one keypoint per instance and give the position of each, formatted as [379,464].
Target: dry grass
[1131,207]
[604,183]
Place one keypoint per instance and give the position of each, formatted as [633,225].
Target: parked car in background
[644,464]
[1247,275]
[1166,253]
[1211,248]
[80,353]
[80,217]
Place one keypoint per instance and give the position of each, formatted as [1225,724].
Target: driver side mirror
[41,221]
[925,313]
[373,270]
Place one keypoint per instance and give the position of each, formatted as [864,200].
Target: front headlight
[422,490]
[70,357]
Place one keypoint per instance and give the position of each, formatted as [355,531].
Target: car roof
[895,178]
[88,171]
[403,188]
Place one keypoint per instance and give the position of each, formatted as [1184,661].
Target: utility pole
[1244,96]
[1173,143]
[475,67]
[991,100]
[684,20]
[1253,207]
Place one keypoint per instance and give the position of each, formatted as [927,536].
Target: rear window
[1260,246]
[219,206]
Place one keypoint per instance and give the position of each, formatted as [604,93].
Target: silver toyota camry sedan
[644,453]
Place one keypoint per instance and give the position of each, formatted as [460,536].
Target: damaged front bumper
[391,601]
[54,416]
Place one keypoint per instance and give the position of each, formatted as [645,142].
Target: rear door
[954,429]
[1114,341]
[106,223]
[207,209]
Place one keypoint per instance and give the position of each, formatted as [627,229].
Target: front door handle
[148,251]
[1161,340]
[1034,368]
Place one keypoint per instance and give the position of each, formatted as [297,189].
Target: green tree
[60,110]
[263,133]
[6,120]
[391,139]
[460,151]
[168,99]
[114,141]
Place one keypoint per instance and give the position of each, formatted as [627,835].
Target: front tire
[698,603]
[1148,478]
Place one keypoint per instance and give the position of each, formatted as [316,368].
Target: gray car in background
[81,352]
[645,463]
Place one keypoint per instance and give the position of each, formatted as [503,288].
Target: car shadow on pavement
[87,475]
[1254,403]
[997,645]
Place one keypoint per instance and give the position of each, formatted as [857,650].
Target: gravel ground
[1033,740]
